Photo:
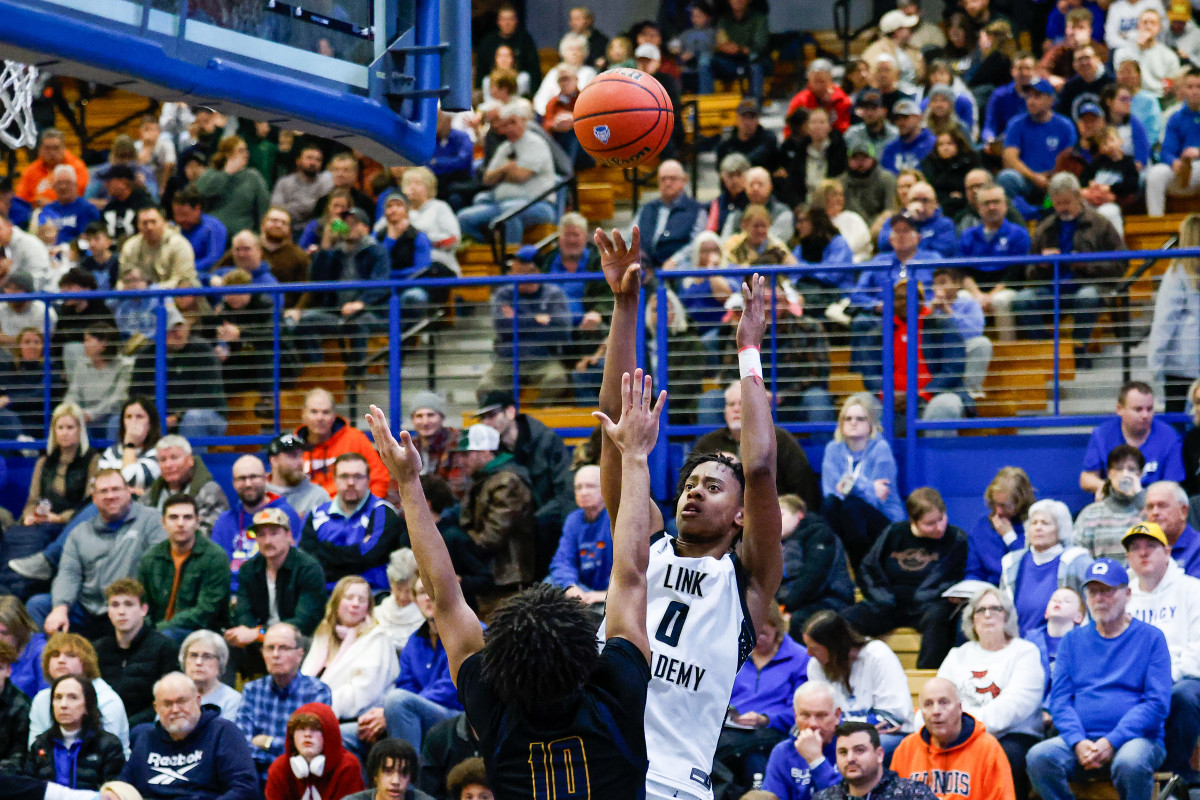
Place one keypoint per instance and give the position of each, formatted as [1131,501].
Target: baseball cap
[906,108]
[494,401]
[648,50]
[896,19]
[270,516]
[480,437]
[1042,86]
[1089,108]
[1150,530]
[859,143]
[904,218]
[1179,11]
[119,172]
[747,107]
[941,90]
[1106,571]
[284,443]
[395,197]
[869,98]
[358,214]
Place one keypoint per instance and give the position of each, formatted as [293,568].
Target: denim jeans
[1083,303]
[475,219]
[197,423]
[409,715]
[1052,765]
[86,624]
[1183,728]
[1026,198]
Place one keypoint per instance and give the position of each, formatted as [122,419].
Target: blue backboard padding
[80,45]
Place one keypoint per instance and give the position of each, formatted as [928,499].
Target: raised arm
[457,624]
[761,548]
[634,436]
[624,275]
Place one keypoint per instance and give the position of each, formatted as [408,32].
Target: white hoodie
[1174,608]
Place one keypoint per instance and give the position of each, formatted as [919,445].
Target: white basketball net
[16,96]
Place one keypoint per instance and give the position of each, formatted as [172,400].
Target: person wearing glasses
[936,229]
[203,657]
[355,532]
[269,702]
[231,531]
[999,678]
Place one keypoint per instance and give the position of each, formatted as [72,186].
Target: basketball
[623,117]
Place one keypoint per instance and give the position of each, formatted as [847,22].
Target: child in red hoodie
[315,765]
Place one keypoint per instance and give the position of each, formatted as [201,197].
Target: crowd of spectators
[138,595]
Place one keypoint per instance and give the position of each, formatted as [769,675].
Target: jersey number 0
[559,770]
[671,626]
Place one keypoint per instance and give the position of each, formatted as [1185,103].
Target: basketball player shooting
[555,718]
[703,593]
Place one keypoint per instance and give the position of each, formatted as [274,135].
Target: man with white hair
[806,762]
[192,752]
[670,221]
[1167,506]
[822,91]
[521,169]
[70,212]
[572,49]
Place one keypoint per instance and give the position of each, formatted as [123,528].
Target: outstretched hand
[753,324]
[619,261]
[402,459]
[636,433]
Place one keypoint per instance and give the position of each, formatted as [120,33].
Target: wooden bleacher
[714,113]
[905,643]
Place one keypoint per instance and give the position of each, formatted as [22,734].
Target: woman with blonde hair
[21,633]
[233,192]
[999,678]
[1001,530]
[63,476]
[755,245]
[1175,330]
[830,196]
[352,654]
[858,478]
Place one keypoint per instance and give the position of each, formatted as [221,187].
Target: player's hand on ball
[637,431]
[401,458]
[620,261]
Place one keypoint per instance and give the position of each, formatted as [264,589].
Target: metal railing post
[912,393]
[395,359]
[888,367]
[47,366]
[1057,337]
[516,341]
[277,350]
[660,462]
[774,334]
[160,361]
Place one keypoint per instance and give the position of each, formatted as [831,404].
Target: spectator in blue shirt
[1008,102]
[1002,530]
[100,260]
[424,693]
[1109,698]
[761,702]
[70,212]
[1166,505]
[806,762]
[952,302]
[1064,613]
[453,155]
[269,702]
[990,283]
[936,229]
[206,234]
[583,561]
[1032,142]
[247,254]
[1135,425]
[915,141]
[1176,175]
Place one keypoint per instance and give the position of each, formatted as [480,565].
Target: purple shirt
[769,690]
[1186,551]
[1163,451]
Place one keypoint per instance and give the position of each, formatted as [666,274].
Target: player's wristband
[750,363]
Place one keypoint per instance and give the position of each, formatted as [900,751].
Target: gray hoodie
[98,553]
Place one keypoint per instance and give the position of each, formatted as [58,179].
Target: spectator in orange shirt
[326,436]
[34,186]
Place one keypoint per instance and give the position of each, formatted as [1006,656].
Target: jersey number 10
[559,770]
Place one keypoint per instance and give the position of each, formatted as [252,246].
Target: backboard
[367,73]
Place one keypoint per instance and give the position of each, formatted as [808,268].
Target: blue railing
[396,325]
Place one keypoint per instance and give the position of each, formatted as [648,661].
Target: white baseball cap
[482,437]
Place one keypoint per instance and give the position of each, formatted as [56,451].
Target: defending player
[554,717]
[703,594]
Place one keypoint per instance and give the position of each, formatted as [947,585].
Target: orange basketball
[623,117]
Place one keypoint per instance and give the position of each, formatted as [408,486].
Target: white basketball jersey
[700,635]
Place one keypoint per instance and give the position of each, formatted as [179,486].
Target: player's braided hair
[695,459]
[540,648]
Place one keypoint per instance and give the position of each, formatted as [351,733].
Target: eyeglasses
[986,611]
[201,657]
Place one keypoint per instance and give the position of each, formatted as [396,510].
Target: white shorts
[658,790]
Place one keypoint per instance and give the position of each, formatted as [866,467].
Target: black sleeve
[480,703]
[623,673]
[805,586]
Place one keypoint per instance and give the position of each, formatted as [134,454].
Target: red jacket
[340,776]
[900,359]
[837,103]
[319,458]
[975,768]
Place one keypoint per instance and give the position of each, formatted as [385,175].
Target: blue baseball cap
[1089,108]
[527,253]
[1043,86]
[1106,571]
